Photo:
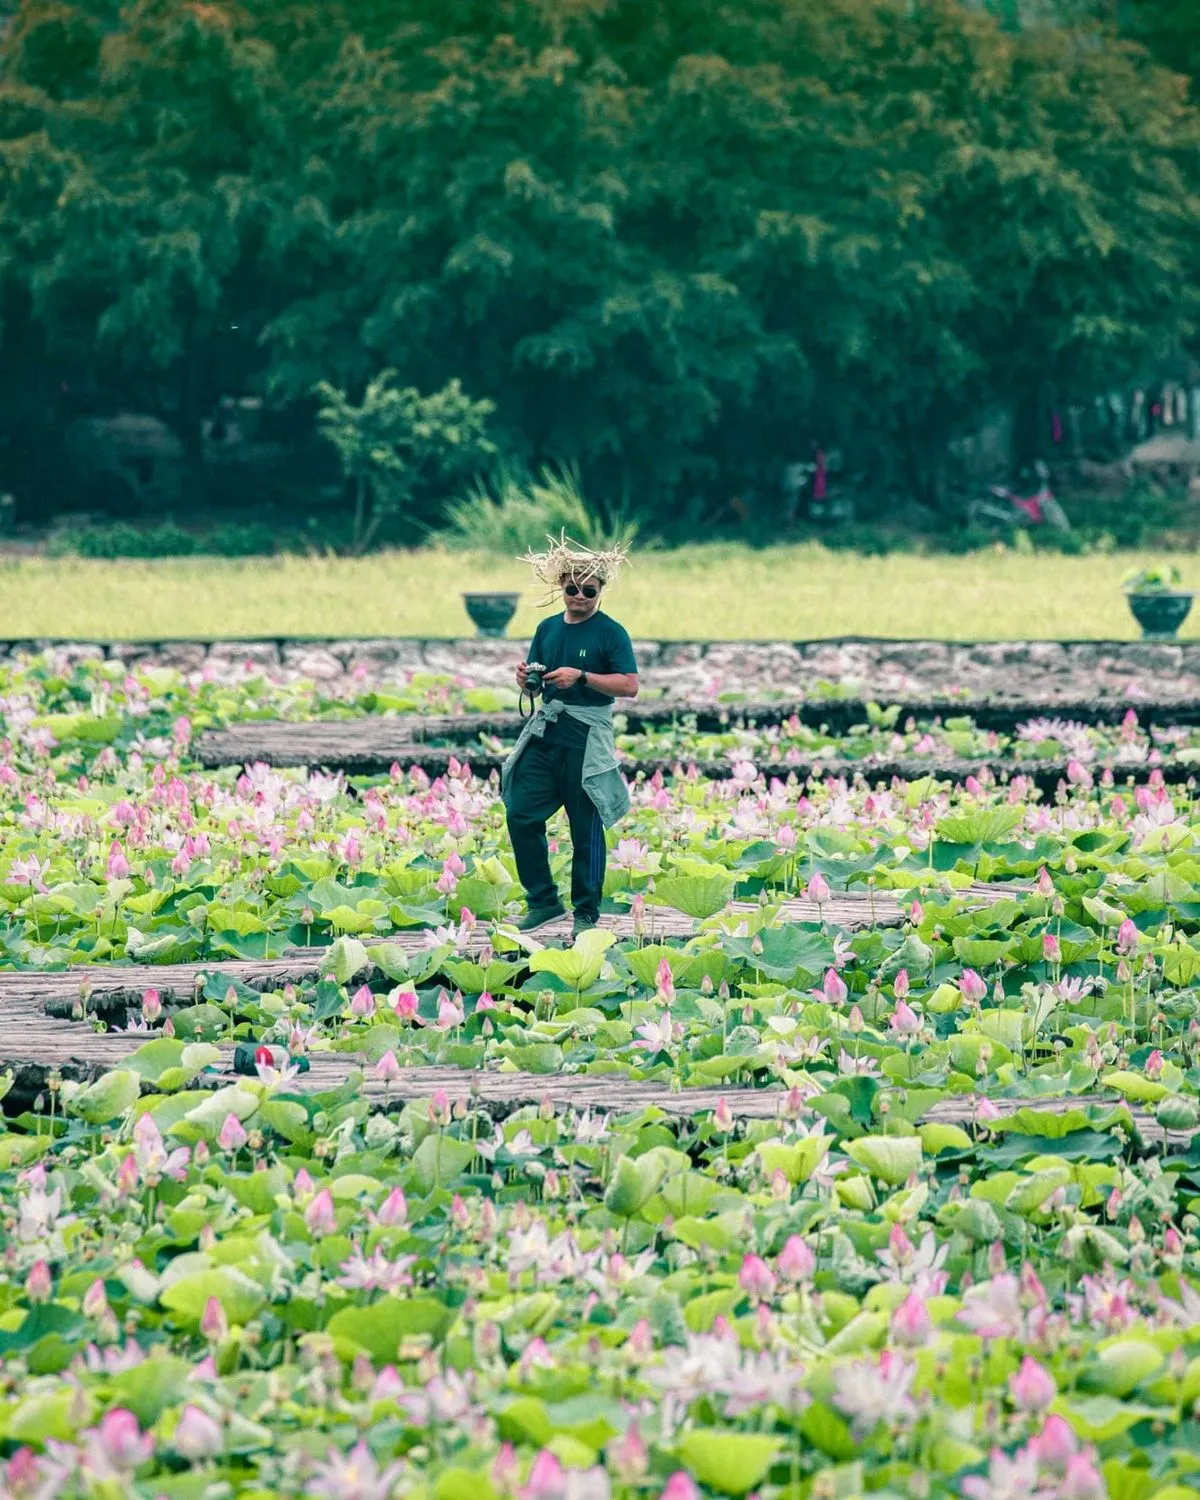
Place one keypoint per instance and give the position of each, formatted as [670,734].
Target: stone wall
[1129,670]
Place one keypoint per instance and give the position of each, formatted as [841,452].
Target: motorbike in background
[1032,507]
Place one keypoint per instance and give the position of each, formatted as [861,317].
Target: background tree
[396,439]
[674,243]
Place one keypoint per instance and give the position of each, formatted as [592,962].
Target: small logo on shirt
[583,653]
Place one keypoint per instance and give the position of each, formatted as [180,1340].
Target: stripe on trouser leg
[596,863]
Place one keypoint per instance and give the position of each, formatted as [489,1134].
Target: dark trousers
[545,778]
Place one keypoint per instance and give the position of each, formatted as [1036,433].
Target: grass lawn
[702,592]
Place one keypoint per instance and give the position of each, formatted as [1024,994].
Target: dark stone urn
[490,613]
[1160,614]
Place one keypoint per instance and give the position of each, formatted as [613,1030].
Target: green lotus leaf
[696,896]
[108,1098]
[238,1294]
[731,1462]
[891,1158]
[381,1328]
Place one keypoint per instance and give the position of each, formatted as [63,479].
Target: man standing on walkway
[566,755]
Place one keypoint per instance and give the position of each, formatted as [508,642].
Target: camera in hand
[534,672]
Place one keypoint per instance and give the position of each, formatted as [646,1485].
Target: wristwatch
[583,679]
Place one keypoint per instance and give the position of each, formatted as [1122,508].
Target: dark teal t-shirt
[597,644]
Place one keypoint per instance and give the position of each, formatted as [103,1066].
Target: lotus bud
[214,1325]
[151,1006]
[796,1262]
[818,889]
[1032,1388]
[680,1486]
[197,1435]
[628,1456]
[320,1217]
[971,987]
[232,1135]
[1051,948]
[756,1278]
[1055,1444]
[911,1324]
[39,1284]
[387,1069]
[1045,886]
[394,1208]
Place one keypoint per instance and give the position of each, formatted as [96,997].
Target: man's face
[577,604]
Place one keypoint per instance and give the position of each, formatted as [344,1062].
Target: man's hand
[522,674]
[563,677]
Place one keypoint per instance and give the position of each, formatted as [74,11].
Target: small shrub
[234,539]
[121,539]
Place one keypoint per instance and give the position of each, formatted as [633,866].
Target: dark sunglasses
[589,590]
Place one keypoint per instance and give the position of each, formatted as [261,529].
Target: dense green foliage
[674,243]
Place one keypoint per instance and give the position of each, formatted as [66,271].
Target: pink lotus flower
[151,1006]
[1032,1388]
[904,1021]
[118,867]
[900,985]
[911,1323]
[796,1262]
[117,1446]
[404,1003]
[971,987]
[387,1069]
[723,1116]
[833,988]
[1051,948]
[197,1435]
[439,1108]
[1045,886]
[233,1135]
[1154,1064]
[1079,775]
[756,1278]
[320,1217]
[214,1325]
[664,982]
[354,1476]
[450,1013]
[1127,937]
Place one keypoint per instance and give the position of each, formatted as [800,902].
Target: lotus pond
[959,1259]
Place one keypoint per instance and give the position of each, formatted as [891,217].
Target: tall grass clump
[514,512]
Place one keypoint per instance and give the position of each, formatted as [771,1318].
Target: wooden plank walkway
[26,995]
[75,1051]
[370,747]
[260,739]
